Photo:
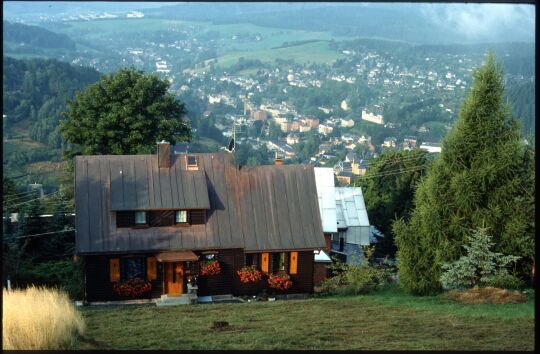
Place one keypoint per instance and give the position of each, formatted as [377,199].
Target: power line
[393,172]
[31,200]
[45,233]
[7,198]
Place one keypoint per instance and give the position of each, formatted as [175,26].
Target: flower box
[210,267]
[133,288]
[280,281]
[249,274]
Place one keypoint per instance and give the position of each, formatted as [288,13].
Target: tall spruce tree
[483,176]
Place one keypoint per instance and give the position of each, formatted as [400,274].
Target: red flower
[280,281]
[211,267]
[131,287]
[249,274]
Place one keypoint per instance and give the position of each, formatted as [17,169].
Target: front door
[174,273]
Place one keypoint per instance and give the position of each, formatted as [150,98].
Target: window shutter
[114,264]
[294,263]
[197,216]
[264,263]
[125,219]
[151,268]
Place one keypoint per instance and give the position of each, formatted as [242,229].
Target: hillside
[34,40]
[35,95]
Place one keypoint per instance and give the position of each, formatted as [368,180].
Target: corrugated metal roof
[138,184]
[255,208]
[324,179]
[351,209]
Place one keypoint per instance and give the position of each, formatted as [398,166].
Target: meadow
[231,48]
[38,318]
[387,320]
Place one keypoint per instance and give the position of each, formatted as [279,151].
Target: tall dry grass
[39,318]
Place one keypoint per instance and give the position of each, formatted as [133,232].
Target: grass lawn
[388,320]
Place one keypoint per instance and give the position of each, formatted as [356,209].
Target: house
[344,218]
[292,139]
[161,217]
[431,147]
[325,129]
[342,166]
[352,223]
[389,142]
[344,178]
[364,139]
[371,117]
[359,167]
[346,123]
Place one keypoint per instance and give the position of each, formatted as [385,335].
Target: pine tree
[484,174]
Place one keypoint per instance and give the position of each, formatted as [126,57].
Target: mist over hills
[422,23]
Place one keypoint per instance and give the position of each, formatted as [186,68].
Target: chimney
[278,161]
[164,154]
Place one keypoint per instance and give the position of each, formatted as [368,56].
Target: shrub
[505,281]
[480,266]
[39,318]
[352,279]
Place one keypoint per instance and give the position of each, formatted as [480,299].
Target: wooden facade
[99,268]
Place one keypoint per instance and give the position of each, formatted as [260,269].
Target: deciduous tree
[125,112]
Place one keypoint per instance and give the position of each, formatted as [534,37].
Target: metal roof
[324,179]
[137,183]
[255,208]
[351,209]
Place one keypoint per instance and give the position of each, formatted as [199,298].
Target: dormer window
[140,218]
[192,164]
[181,216]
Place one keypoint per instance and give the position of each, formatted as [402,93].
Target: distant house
[410,141]
[161,218]
[325,129]
[260,115]
[359,167]
[342,166]
[347,123]
[292,139]
[371,117]
[364,139]
[345,178]
[389,142]
[431,147]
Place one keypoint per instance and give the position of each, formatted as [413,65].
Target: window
[132,267]
[125,219]
[140,217]
[252,259]
[181,216]
[192,163]
[161,218]
[278,262]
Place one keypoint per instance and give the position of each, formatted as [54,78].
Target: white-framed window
[140,217]
[191,163]
[180,216]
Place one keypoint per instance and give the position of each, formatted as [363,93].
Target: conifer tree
[483,176]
